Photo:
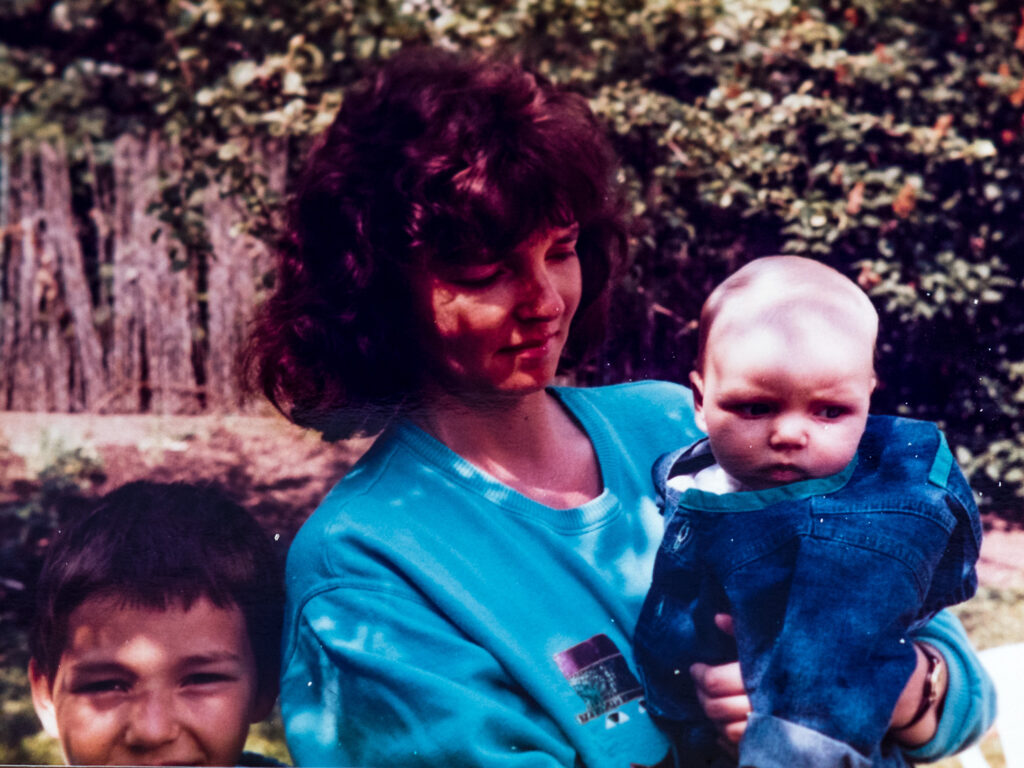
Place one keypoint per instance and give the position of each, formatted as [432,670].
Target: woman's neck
[528,442]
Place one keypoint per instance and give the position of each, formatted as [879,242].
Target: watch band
[930,691]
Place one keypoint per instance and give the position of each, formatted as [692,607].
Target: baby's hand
[722,695]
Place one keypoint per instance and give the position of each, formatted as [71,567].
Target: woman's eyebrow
[572,233]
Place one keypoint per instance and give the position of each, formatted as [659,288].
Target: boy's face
[144,686]
[779,407]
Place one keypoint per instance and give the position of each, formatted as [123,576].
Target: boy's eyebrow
[213,657]
[99,668]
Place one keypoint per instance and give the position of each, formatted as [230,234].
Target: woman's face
[499,327]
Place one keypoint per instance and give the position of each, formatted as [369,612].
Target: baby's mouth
[785,473]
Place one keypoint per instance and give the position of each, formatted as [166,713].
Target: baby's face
[779,409]
[143,686]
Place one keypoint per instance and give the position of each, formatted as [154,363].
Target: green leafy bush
[882,136]
[26,525]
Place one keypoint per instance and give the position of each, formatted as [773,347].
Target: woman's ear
[697,385]
[42,699]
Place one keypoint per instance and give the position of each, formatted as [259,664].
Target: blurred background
[146,148]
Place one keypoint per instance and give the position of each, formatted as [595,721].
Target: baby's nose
[788,432]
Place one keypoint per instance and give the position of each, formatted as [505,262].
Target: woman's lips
[540,347]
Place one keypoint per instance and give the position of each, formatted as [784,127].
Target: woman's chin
[517,386]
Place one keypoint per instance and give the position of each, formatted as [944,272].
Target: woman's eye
[564,255]
[477,277]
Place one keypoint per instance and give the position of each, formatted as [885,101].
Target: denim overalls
[825,579]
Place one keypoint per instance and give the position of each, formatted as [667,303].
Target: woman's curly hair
[440,157]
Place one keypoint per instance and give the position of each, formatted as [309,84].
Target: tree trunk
[236,268]
[118,330]
[27,374]
[61,236]
[152,345]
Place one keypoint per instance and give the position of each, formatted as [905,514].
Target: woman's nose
[153,720]
[788,432]
[539,295]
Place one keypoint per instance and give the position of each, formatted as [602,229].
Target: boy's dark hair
[441,157]
[156,545]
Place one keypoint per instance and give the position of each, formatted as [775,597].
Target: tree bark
[28,392]
[171,315]
[236,270]
[61,236]
[152,344]
[128,341]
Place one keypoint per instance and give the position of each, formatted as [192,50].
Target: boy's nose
[153,721]
[788,433]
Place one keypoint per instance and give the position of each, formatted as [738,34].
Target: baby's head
[785,371]
[157,629]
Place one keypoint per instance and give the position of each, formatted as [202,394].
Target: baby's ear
[42,699]
[697,385]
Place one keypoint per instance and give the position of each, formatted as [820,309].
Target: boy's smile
[147,686]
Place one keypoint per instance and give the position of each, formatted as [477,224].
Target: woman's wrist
[916,715]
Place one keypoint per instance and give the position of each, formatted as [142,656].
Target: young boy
[157,630]
[828,535]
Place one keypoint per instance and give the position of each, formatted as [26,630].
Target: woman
[467,594]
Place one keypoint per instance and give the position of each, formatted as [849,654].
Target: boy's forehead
[107,627]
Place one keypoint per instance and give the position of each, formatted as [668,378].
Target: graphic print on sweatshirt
[598,672]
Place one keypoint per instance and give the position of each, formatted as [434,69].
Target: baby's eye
[753,410]
[832,411]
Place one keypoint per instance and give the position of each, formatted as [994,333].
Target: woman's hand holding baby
[724,699]
[722,695]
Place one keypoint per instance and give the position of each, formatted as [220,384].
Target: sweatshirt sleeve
[970,706]
[377,677]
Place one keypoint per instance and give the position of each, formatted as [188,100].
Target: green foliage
[882,136]
[26,525]
[267,738]
[21,740]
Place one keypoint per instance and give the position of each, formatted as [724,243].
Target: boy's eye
[207,678]
[93,687]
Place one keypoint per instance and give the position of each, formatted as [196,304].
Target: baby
[829,535]
[157,630]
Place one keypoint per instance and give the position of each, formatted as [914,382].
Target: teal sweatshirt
[437,617]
